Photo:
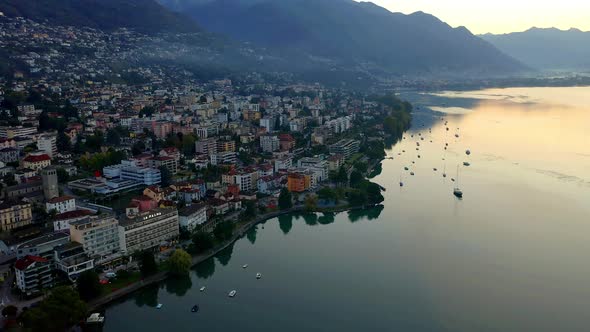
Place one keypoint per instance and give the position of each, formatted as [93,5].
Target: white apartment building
[48,144]
[61,204]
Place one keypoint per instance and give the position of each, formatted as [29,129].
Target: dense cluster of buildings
[194,151]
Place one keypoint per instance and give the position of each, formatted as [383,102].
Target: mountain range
[326,36]
[546,49]
[145,16]
[350,32]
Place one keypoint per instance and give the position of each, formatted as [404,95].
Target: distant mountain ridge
[346,31]
[546,48]
[145,16]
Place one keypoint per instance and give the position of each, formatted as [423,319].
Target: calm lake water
[512,255]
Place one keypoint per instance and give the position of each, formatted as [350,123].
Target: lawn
[119,283]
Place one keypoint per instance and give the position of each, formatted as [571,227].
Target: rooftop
[24,263]
[44,239]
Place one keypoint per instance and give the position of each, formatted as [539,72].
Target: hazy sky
[500,16]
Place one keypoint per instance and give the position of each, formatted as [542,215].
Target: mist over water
[512,255]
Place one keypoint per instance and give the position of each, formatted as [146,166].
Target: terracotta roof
[170,150]
[36,159]
[60,199]
[23,263]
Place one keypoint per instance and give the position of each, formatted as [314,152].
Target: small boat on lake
[159,306]
[244,266]
[195,308]
[232,293]
[258,275]
[202,289]
[457,191]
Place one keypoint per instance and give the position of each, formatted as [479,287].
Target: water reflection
[224,256]
[310,219]
[147,296]
[251,234]
[179,285]
[205,269]
[368,214]
[326,218]
[286,223]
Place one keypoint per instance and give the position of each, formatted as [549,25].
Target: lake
[512,255]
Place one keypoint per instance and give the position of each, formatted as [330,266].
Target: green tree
[63,142]
[361,166]
[327,194]
[179,262]
[356,178]
[342,176]
[373,191]
[138,148]
[166,176]
[113,137]
[224,230]
[357,198]
[250,211]
[95,142]
[147,263]
[203,241]
[285,199]
[61,310]
[188,144]
[88,285]
[62,175]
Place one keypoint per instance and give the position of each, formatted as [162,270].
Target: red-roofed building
[61,204]
[33,274]
[37,161]
[287,142]
[144,203]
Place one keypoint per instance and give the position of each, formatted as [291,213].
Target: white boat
[202,289]
[258,275]
[159,306]
[244,266]
[232,293]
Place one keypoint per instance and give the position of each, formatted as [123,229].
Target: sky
[500,16]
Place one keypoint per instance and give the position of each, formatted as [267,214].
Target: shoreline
[104,301]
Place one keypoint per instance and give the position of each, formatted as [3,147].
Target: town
[106,176]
